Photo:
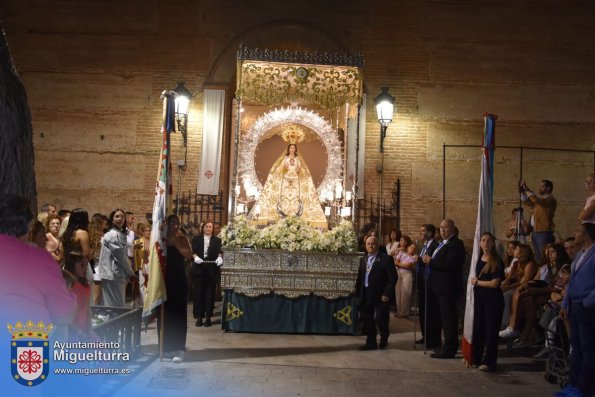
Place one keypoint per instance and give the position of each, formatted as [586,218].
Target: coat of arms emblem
[29,348]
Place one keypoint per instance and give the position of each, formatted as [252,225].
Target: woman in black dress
[489,304]
[176,317]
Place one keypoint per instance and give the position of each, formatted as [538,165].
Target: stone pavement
[233,364]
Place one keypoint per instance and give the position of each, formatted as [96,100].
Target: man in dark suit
[429,322]
[445,280]
[375,286]
[206,251]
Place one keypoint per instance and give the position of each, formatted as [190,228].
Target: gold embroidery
[233,312]
[344,315]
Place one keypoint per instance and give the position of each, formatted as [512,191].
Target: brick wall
[94,71]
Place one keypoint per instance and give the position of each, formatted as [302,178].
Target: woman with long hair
[510,263]
[114,267]
[488,304]
[76,235]
[394,239]
[527,270]
[96,231]
[536,293]
[37,234]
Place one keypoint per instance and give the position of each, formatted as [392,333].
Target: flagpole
[156,290]
[161,331]
[484,223]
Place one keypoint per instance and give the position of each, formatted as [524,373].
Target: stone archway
[283,34]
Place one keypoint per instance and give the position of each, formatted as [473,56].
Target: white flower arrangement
[291,234]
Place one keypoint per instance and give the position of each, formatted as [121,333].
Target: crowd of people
[519,293]
[104,261]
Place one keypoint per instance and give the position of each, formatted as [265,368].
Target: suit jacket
[198,248]
[421,266]
[381,280]
[446,268]
[581,286]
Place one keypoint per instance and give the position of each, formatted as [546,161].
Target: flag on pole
[156,293]
[484,223]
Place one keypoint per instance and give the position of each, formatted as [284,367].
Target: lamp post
[182,102]
[385,105]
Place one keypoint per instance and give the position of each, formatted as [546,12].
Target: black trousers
[376,318]
[433,330]
[487,316]
[203,294]
[449,318]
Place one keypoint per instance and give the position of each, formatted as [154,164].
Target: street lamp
[182,104]
[385,106]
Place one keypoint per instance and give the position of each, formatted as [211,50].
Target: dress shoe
[419,341]
[485,368]
[198,322]
[367,347]
[178,356]
[383,343]
[208,322]
[443,355]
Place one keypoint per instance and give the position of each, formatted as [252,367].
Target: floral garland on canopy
[291,234]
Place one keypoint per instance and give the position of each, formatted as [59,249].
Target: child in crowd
[552,308]
[75,265]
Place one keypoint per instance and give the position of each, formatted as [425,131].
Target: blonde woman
[53,239]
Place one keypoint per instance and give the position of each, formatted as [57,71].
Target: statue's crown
[30,330]
[293,134]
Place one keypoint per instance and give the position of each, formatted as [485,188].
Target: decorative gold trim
[232,312]
[271,83]
[316,58]
[344,315]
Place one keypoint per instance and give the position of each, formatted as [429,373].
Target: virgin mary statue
[290,191]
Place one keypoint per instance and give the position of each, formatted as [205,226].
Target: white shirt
[207,240]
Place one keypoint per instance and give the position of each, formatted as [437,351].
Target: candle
[240,208]
[327,211]
[338,190]
[348,195]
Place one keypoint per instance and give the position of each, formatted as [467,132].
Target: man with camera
[544,208]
